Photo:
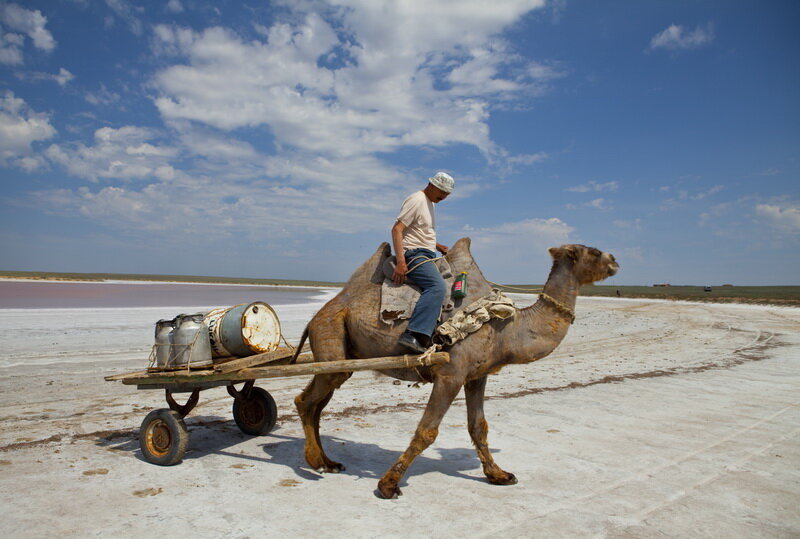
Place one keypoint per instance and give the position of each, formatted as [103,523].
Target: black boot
[422,339]
[409,341]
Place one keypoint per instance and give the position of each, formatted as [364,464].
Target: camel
[348,327]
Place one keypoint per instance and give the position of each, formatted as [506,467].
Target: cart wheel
[256,415]
[163,437]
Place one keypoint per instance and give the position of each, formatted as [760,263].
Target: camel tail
[299,346]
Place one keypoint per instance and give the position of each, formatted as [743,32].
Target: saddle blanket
[473,316]
[398,301]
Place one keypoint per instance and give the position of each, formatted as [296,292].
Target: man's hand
[400,271]
[442,248]
[400,268]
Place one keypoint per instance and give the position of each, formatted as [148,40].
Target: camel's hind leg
[445,389]
[479,430]
[310,404]
[328,342]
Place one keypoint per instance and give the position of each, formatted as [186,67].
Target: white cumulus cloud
[596,203]
[632,224]
[102,96]
[11,48]
[783,216]
[174,6]
[212,208]
[61,78]
[334,91]
[20,127]
[594,186]
[517,251]
[365,78]
[17,22]
[599,204]
[126,153]
[128,13]
[703,194]
[676,37]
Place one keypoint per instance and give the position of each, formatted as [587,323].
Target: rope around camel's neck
[561,290]
[535,335]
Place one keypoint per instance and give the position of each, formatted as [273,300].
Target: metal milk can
[190,343]
[163,342]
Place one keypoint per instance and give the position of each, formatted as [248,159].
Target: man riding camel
[414,241]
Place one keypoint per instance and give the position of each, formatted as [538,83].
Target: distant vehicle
[706,289]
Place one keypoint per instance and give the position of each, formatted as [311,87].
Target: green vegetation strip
[772,295]
[767,295]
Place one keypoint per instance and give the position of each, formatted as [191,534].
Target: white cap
[443,181]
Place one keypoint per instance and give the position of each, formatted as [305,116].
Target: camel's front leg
[445,389]
[479,430]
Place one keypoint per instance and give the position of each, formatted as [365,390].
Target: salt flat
[651,419]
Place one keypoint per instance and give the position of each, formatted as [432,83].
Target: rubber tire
[257,415]
[163,437]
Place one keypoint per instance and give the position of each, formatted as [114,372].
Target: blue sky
[278,139]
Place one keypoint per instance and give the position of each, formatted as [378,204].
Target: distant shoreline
[760,295]
[185,279]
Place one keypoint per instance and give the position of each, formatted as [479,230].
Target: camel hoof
[508,479]
[388,492]
[333,467]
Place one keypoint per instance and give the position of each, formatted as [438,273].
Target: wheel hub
[159,438]
[252,412]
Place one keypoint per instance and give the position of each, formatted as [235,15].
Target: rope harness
[563,309]
[425,355]
[537,289]
[421,263]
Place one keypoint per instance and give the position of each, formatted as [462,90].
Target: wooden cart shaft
[305,366]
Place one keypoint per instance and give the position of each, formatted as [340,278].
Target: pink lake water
[56,295]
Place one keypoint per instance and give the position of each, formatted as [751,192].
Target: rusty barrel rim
[244,329]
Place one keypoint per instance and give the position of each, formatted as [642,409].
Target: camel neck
[546,320]
[562,285]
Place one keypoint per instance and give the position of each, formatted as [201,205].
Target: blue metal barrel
[243,330]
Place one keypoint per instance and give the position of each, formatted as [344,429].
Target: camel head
[586,263]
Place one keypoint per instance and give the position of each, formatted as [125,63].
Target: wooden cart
[163,437]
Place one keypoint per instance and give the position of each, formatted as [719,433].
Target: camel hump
[370,271]
[460,259]
[463,243]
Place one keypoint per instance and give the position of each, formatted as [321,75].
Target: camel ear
[572,252]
